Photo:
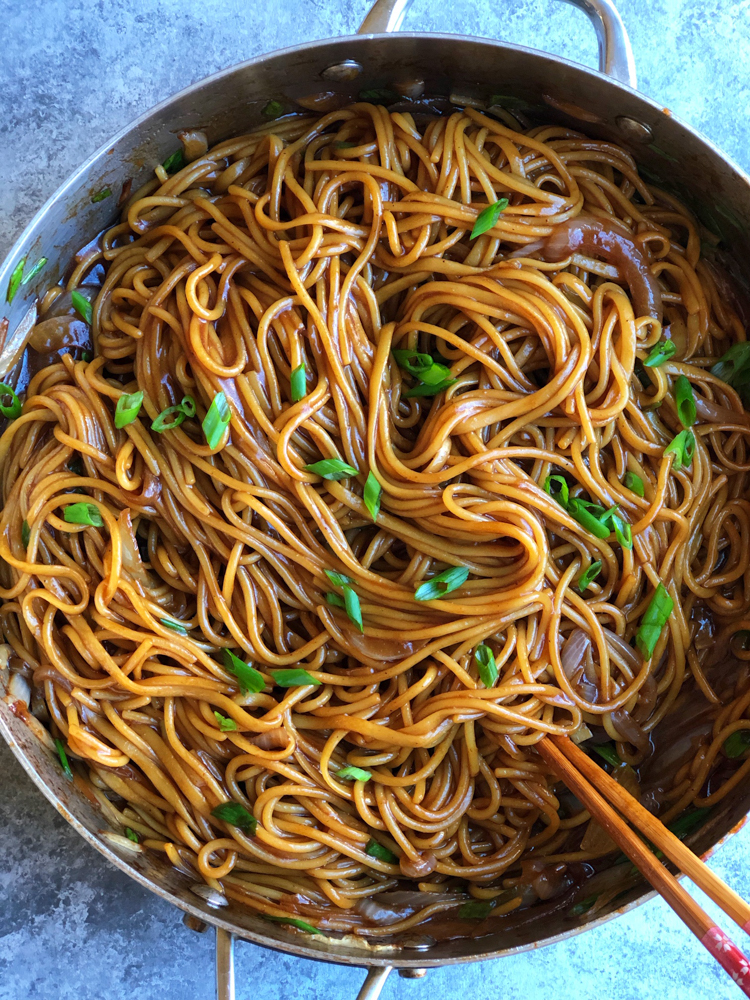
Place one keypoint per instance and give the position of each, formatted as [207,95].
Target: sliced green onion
[352,773]
[301,925]
[86,355]
[486,665]
[589,575]
[488,217]
[450,579]
[335,599]
[128,407]
[15,280]
[633,483]
[82,306]
[579,511]
[13,409]
[660,353]
[373,489]
[350,601]
[583,907]
[34,271]
[623,531]
[298,383]
[180,410]
[683,448]
[274,109]
[225,725]
[25,533]
[379,96]
[332,468]
[426,389]
[476,909]
[376,850]
[250,679]
[63,759]
[235,814]
[176,161]
[685,400]
[412,361]
[101,195]
[736,744]
[294,677]
[217,420]
[690,821]
[654,620]
[337,579]
[608,752]
[562,493]
[734,369]
[174,626]
[83,513]
[131,834]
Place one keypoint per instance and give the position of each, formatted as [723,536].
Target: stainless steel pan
[604,104]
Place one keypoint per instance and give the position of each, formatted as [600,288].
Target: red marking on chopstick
[729,957]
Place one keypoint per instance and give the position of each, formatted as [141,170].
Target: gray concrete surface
[72,72]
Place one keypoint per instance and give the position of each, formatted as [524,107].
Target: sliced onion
[194,143]
[131,557]
[211,896]
[574,654]
[274,739]
[628,729]
[622,650]
[124,843]
[389,907]
[547,880]
[425,864]
[411,89]
[714,413]
[19,689]
[56,332]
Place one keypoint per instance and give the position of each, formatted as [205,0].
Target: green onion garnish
[476,909]
[685,401]
[376,850]
[488,217]
[131,834]
[82,306]
[689,821]
[589,575]
[25,533]
[217,420]
[683,448]
[176,161]
[608,752]
[337,579]
[450,579]
[34,271]
[14,407]
[373,489]
[101,195]
[379,96]
[301,925]
[354,773]
[580,908]
[332,468]
[589,516]
[294,677]
[274,109]
[235,814]
[557,487]
[633,483]
[225,725]
[427,389]
[86,355]
[128,407]
[298,383]
[63,759]
[736,744]
[83,513]
[654,620]
[486,665]
[15,280]
[660,353]
[250,679]
[174,626]
[180,410]
[350,600]
[734,369]
[623,531]
[335,599]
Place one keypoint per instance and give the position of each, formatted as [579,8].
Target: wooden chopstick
[712,937]
[733,905]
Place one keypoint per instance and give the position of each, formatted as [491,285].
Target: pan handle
[615,54]
[371,988]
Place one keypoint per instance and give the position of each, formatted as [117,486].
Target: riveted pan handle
[615,53]
[371,988]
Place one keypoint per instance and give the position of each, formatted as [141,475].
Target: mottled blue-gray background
[73,72]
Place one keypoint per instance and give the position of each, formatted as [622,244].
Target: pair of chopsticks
[590,783]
